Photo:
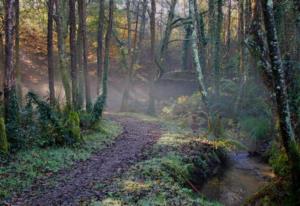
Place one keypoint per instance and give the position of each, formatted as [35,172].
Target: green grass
[30,165]
[162,179]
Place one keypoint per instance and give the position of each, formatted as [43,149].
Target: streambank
[242,177]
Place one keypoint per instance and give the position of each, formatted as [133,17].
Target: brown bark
[50,52]
[10,99]
[73,65]
[83,34]
[228,33]
[100,45]
[152,27]
[17,51]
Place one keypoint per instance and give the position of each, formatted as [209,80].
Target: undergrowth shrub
[257,127]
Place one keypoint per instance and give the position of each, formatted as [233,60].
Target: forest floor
[76,184]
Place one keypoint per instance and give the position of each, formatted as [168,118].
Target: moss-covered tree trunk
[196,56]
[10,98]
[280,88]
[4,146]
[50,4]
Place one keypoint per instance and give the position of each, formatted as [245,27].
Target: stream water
[242,178]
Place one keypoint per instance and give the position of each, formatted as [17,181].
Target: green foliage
[73,125]
[257,127]
[57,128]
[3,139]
[279,161]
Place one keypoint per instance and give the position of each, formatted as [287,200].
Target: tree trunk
[152,27]
[151,104]
[124,104]
[196,55]
[211,32]
[100,45]
[73,65]
[217,48]
[61,26]
[186,47]
[101,100]
[241,39]
[228,36]
[10,98]
[160,60]
[200,35]
[283,109]
[81,83]
[17,52]
[1,63]
[50,53]
[83,34]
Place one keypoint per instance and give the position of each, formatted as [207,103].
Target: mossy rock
[4,146]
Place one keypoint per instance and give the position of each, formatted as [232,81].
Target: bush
[257,127]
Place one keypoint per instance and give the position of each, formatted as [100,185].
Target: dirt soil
[75,185]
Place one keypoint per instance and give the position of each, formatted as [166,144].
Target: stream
[242,178]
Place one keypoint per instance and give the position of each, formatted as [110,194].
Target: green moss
[3,139]
[73,126]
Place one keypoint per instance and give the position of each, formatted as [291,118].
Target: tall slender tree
[73,64]
[151,105]
[83,37]
[228,32]
[217,47]
[81,83]
[62,33]
[17,51]
[10,98]
[101,100]
[100,44]
[50,52]
[280,88]
[152,27]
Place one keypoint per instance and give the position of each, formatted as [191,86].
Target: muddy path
[74,185]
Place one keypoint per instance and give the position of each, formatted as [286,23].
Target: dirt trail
[71,186]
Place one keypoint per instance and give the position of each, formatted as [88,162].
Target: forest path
[73,185]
